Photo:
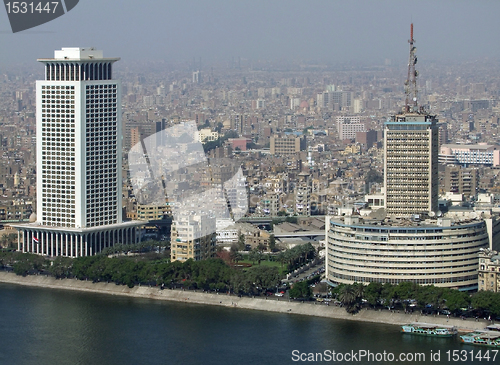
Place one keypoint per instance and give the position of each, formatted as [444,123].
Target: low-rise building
[489,270]
[152,212]
[193,237]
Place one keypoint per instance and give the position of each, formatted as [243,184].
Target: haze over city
[365,32]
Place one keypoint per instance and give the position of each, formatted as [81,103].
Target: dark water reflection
[47,327]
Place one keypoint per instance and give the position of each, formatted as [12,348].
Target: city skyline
[256,155]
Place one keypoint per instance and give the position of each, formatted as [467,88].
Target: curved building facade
[437,253]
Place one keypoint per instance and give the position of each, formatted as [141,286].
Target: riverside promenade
[233,301]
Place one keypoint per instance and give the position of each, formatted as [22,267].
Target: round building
[433,252]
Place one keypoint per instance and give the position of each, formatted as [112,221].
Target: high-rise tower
[377,249]
[79,182]
[411,154]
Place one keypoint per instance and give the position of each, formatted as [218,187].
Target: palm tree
[347,296]
[281,258]
[359,290]
[349,299]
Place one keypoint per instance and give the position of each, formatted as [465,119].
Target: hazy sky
[217,30]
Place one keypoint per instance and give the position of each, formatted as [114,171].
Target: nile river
[52,327]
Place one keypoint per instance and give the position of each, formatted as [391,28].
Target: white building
[348,126]
[478,154]
[193,237]
[79,170]
[207,135]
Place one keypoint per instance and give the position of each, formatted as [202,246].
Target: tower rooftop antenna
[411,92]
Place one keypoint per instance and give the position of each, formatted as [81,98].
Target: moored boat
[428,329]
[484,338]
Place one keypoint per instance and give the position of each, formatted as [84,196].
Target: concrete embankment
[232,301]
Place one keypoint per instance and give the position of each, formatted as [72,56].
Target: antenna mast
[411,104]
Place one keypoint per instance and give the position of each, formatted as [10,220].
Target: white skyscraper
[79,170]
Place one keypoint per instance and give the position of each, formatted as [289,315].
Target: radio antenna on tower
[411,92]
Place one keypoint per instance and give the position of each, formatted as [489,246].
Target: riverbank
[232,301]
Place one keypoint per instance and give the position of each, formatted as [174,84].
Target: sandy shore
[282,306]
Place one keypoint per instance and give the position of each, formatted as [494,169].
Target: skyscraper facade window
[79,182]
[411,164]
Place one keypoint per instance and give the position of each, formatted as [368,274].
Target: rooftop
[77,54]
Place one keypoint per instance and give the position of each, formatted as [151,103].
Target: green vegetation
[301,290]
[407,295]
[212,274]
[296,257]
[8,240]
[215,274]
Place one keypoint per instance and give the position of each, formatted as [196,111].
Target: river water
[52,327]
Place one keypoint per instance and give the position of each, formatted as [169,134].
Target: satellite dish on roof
[473,215]
[439,213]
[432,214]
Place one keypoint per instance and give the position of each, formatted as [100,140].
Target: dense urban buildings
[409,239]
[239,108]
[79,190]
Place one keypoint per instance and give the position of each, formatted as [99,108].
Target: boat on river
[484,338]
[429,329]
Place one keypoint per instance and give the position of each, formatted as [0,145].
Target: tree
[388,293]
[272,243]
[455,300]
[264,277]
[349,299]
[373,176]
[255,255]
[241,242]
[61,267]
[218,127]
[301,290]
[373,293]
[487,300]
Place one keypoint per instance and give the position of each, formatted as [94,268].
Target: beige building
[287,145]
[411,164]
[258,239]
[152,212]
[489,271]
[461,180]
